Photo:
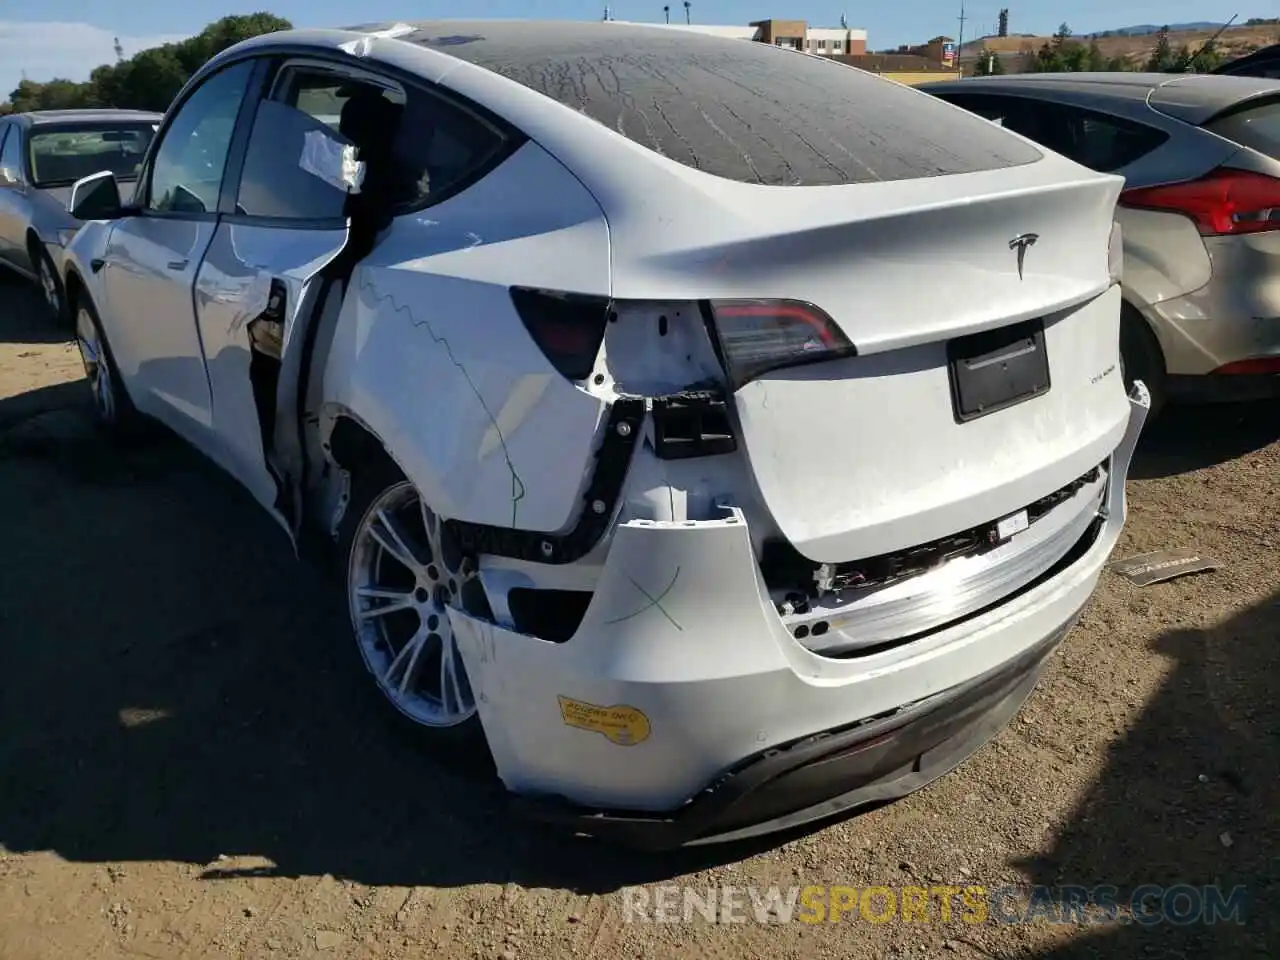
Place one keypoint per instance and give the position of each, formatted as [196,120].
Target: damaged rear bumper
[828,774]
[682,711]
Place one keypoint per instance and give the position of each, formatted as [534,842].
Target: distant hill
[1135,46]
[1143,29]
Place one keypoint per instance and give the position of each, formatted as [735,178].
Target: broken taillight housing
[1225,202]
[757,336]
[567,327]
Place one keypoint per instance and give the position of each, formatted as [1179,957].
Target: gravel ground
[189,768]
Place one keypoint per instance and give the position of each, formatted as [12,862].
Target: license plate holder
[997,369]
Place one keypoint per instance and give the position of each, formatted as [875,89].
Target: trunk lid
[921,435]
[869,454]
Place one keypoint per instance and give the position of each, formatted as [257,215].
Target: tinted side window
[436,147]
[186,174]
[1095,140]
[11,152]
[414,145]
[1000,110]
[273,184]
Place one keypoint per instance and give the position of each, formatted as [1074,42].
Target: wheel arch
[74,286]
[1130,310]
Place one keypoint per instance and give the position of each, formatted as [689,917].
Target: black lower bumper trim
[825,775]
[1224,387]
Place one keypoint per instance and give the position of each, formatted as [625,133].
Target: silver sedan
[41,155]
[1200,212]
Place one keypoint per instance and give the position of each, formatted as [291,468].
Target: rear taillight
[567,327]
[1223,202]
[761,335]
[751,336]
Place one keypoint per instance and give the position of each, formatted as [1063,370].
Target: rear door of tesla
[286,221]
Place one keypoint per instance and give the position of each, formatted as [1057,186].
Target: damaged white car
[715,437]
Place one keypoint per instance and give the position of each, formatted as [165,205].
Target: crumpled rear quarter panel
[430,354]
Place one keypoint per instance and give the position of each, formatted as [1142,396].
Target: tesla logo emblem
[1021,243]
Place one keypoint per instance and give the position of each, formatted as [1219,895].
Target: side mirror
[96,197]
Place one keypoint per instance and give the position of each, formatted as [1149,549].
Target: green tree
[1003,29]
[56,94]
[988,64]
[1207,59]
[1162,56]
[1048,59]
[148,80]
[1095,59]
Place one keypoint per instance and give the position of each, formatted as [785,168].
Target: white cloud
[56,49]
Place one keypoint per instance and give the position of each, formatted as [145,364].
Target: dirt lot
[189,767]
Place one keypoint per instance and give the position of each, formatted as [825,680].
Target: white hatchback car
[715,437]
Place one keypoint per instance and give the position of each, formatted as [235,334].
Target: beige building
[793,34]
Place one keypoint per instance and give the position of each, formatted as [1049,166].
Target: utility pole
[666,13]
[687,5]
[960,42]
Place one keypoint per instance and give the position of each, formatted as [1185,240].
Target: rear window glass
[62,155]
[736,108]
[1256,127]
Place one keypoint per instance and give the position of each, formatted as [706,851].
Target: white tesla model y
[716,438]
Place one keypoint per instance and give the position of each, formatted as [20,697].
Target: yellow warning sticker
[623,725]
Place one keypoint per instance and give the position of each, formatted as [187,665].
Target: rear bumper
[682,710]
[831,773]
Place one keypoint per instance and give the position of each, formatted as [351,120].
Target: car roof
[1193,98]
[39,118]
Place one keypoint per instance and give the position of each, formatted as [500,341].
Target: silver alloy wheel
[400,582]
[96,368]
[48,284]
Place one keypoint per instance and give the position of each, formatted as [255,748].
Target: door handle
[178,264]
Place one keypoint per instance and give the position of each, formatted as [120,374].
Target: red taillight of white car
[757,336]
[751,336]
[1226,202]
[567,327]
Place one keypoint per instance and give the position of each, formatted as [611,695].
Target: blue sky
[70,37]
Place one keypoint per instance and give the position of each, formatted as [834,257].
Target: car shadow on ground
[25,319]
[1186,438]
[1188,796]
[178,686]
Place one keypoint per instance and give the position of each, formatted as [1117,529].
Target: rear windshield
[64,155]
[1255,127]
[736,108]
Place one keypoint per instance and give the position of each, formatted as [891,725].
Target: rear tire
[395,605]
[55,297]
[1141,357]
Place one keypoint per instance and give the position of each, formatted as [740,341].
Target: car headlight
[66,236]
